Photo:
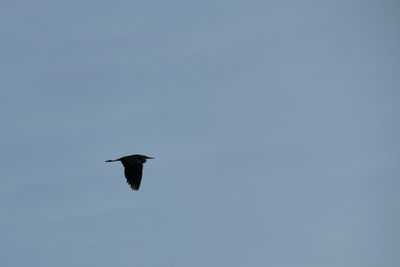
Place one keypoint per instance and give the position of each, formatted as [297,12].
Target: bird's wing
[133,174]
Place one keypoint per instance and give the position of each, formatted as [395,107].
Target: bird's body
[133,165]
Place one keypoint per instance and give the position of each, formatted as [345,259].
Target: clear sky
[274,126]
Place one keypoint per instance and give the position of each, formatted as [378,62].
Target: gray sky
[274,126]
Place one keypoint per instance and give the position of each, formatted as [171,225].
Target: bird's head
[144,158]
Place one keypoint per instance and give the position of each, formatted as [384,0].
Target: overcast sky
[274,126]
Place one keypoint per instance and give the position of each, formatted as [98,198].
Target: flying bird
[133,165]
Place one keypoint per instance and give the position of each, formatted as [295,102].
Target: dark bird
[133,169]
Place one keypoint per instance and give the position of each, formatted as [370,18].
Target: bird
[133,165]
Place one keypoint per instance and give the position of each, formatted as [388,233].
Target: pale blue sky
[274,126]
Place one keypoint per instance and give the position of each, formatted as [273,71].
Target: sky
[274,126]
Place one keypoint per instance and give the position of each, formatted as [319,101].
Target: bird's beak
[149,157]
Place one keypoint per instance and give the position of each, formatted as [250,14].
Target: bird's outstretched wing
[133,174]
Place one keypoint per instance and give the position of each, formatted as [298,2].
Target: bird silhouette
[133,165]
